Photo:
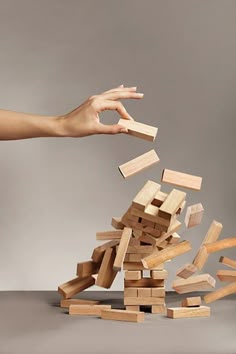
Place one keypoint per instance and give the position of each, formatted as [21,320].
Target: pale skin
[82,121]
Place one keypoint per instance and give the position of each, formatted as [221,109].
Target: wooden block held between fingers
[139,130]
[186,312]
[122,315]
[181,179]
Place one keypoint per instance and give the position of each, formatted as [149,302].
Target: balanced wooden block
[99,251]
[109,235]
[159,274]
[158,309]
[131,292]
[144,300]
[191,301]
[159,198]
[85,269]
[144,283]
[194,215]
[220,293]
[107,274]
[67,302]
[140,130]
[162,256]
[228,261]
[212,235]
[116,223]
[187,271]
[194,283]
[226,275]
[88,310]
[139,266]
[145,195]
[181,179]
[144,292]
[220,245]
[158,292]
[74,286]
[132,308]
[133,274]
[187,312]
[122,315]
[172,204]
[122,248]
[139,164]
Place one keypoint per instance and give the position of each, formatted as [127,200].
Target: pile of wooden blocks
[142,240]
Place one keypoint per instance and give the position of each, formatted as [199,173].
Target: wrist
[58,126]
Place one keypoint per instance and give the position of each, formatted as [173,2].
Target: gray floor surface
[33,322]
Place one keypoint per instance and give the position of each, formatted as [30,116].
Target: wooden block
[88,310]
[187,271]
[173,227]
[148,239]
[226,275]
[130,292]
[140,249]
[85,269]
[67,302]
[172,204]
[132,308]
[109,235]
[181,179]
[159,198]
[145,195]
[144,283]
[181,208]
[144,300]
[122,315]
[134,241]
[158,309]
[172,251]
[212,235]
[134,257]
[99,251]
[194,215]
[148,223]
[194,283]
[228,261]
[187,312]
[122,248]
[220,245]
[139,266]
[133,274]
[159,274]
[107,274]
[116,223]
[144,292]
[140,130]
[139,164]
[175,238]
[220,293]
[158,292]
[191,301]
[74,286]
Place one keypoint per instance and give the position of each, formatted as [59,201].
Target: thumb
[112,129]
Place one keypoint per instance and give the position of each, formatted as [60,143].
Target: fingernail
[140,94]
[134,88]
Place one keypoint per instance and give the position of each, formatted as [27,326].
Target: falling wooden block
[220,293]
[145,195]
[133,274]
[174,238]
[139,164]
[67,302]
[159,274]
[116,223]
[220,245]
[158,309]
[159,198]
[122,315]
[130,292]
[132,308]
[99,251]
[212,235]
[140,130]
[107,274]
[74,286]
[144,300]
[109,235]
[191,301]
[187,271]
[144,283]
[228,261]
[226,275]
[173,227]
[172,204]
[194,283]
[88,310]
[122,248]
[144,292]
[87,268]
[187,312]
[158,292]
[162,256]
[181,179]
[194,215]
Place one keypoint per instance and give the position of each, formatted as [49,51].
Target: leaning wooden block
[99,251]
[122,315]
[173,227]
[228,261]
[226,275]
[187,271]
[116,223]
[67,302]
[159,274]
[88,310]
[122,248]
[194,215]
[74,286]
[162,256]
[172,203]
[181,179]
[144,300]
[133,274]
[145,195]
[140,130]
[158,309]
[220,245]
[220,293]
[139,164]
[194,283]
[187,312]
[107,274]
[85,269]
[191,301]
[109,235]
[144,283]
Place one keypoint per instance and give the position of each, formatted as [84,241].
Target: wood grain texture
[109,235]
[144,300]
[181,179]
[191,301]
[87,268]
[87,310]
[144,283]
[74,286]
[187,312]
[145,195]
[139,130]
[220,293]
[122,315]
[122,248]
[194,283]
[107,274]
[172,204]
[99,251]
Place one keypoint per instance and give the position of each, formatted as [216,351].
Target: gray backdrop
[56,193]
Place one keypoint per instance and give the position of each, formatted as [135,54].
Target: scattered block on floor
[194,283]
[181,179]
[99,251]
[122,315]
[109,235]
[145,195]
[187,271]
[226,275]
[172,204]
[158,292]
[132,308]
[159,274]
[187,312]
[191,301]
[122,248]
[88,310]
[212,235]
[67,302]
[220,293]
[228,261]
[159,198]
[140,130]
[158,309]
[194,215]
[87,268]
[133,274]
[144,300]
[162,256]
[74,286]
[139,164]
[220,245]
[144,283]
[107,274]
